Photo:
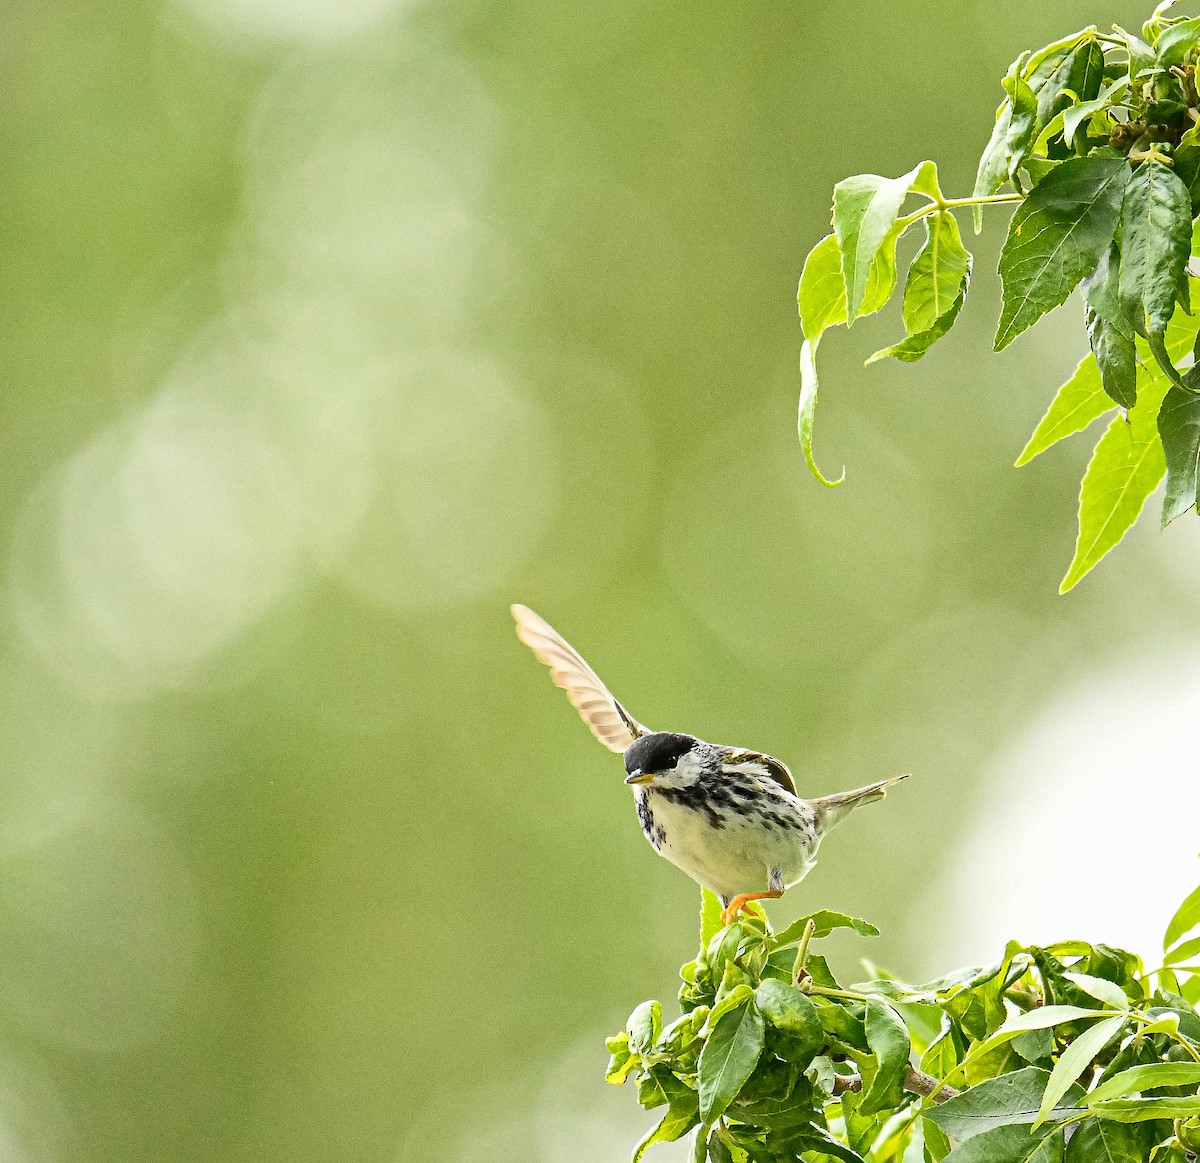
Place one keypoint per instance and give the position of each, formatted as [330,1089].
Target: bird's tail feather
[832,809]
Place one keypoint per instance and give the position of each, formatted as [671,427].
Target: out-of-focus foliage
[1098,136]
[330,329]
[1073,1052]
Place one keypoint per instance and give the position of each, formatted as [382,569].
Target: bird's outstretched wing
[614,726]
[740,759]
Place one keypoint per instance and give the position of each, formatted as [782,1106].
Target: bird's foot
[740,904]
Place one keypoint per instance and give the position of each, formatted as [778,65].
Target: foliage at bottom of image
[1072,1053]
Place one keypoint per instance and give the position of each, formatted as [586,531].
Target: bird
[729,817]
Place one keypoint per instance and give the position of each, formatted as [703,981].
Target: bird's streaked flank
[729,817]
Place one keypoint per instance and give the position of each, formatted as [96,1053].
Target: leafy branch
[1098,137]
[1063,1054]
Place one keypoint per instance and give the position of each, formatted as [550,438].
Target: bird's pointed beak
[639,777]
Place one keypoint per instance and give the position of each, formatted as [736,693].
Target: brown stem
[915,1082]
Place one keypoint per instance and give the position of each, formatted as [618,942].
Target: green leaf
[1078,114]
[1056,237]
[936,1142]
[887,1037]
[786,1008]
[1176,41]
[1079,402]
[1138,1078]
[1077,1057]
[1125,469]
[1011,1144]
[1156,228]
[1109,331]
[682,1115]
[1040,1019]
[1022,124]
[728,1059]
[936,275]
[821,297]
[1179,429]
[822,294]
[734,998]
[1087,71]
[824,922]
[1186,918]
[934,290]
[998,1102]
[818,1139]
[807,414]
[645,1025]
[865,208]
[1096,1141]
[993,165]
[915,346]
[1102,990]
[710,916]
[1140,1110]
[1182,953]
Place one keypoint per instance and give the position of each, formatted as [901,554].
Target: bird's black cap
[658,751]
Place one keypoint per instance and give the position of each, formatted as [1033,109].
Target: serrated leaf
[728,1059]
[1110,333]
[1101,989]
[935,278]
[817,1139]
[1156,229]
[1011,1144]
[934,290]
[824,922]
[1044,1017]
[1140,1110]
[915,346]
[887,1037]
[1009,1099]
[682,1115]
[821,297]
[1075,1059]
[1087,71]
[993,164]
[1179,429]
[788,1009]
[865,208]
[1176,41]
[1022,124]
[1146,1077]
[1074,117]
[1186,918]
[1125,469]
[1100,1141]
[1056,237]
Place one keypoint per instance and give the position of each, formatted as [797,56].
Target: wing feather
[773,768]
[608,720]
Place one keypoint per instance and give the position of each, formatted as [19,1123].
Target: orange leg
[739,903]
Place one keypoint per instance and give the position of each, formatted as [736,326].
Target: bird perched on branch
[729,817]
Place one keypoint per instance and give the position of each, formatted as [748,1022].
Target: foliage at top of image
[1098,137]
[1072,1053]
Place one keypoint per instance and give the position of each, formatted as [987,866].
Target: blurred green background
[332,329]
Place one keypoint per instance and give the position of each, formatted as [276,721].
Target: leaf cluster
[1069,1053]
[1097,141]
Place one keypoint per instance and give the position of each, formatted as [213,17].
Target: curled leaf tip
[807,410]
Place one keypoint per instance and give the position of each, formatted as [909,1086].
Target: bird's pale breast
[730,836]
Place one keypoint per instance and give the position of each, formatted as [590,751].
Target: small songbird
[729,817]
